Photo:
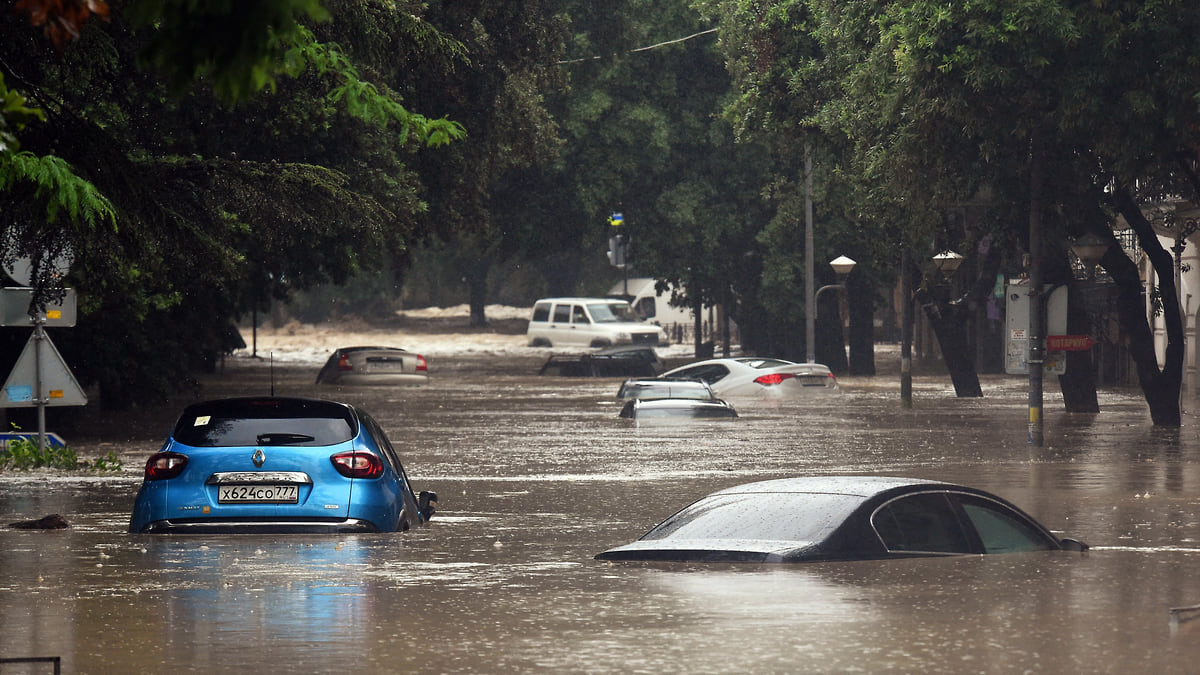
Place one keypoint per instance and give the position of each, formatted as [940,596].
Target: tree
[646,140]
[203,210]
[495,91]
[784,82]
[1086,94]
[937,101]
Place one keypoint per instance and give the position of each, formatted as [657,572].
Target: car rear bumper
[360,379]
[257,526]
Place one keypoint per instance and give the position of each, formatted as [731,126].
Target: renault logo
[259,458]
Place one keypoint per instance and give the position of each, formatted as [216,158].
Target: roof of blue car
[269,406]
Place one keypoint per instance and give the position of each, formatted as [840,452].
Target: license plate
[385,363]
[384,367]
[258,494]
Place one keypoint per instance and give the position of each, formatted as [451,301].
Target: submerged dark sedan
[277,464]
[841,518]
[615,361]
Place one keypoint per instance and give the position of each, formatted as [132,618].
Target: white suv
[589,322]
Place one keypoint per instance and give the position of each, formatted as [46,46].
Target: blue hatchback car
[277,464]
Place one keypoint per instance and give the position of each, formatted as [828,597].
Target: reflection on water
[536,475]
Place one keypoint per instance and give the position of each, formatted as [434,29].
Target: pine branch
[56,183]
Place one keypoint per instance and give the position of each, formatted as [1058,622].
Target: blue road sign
[52,440]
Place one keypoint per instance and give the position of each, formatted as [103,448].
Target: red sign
[1069,343]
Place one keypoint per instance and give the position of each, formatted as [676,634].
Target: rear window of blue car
[265,422]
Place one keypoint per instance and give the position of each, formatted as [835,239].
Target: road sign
[1016,354]
[53,440]
[14,309]
[1069,343]
[21,269]
[58,384]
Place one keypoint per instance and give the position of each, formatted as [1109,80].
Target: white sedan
[758,377]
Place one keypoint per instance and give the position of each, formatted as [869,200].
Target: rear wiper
[282,438]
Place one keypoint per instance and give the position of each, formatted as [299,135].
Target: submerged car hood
[709,550]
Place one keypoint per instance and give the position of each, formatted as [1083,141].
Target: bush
[23,453]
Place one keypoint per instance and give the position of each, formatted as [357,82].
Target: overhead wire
[642,49]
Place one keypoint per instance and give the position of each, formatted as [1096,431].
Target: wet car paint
[503,581]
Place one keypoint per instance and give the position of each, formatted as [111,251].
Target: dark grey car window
[923,522]
[562,313]
[1003,531]
[710,373]
[541,311]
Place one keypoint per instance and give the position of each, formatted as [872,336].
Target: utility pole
[906,331]
[1037,305]
[810,296]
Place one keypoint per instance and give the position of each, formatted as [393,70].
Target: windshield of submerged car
[666,389]
[799,517]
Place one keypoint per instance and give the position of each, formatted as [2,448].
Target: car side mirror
[1073,545]
[427,503]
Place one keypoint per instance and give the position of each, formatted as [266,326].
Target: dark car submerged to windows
[671,399]
[277,464]
[841,518]
[617,361]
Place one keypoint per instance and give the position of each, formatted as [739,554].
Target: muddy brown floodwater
[536,475]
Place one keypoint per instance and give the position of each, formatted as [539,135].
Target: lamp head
[1090,248]
[842,265]
[947,262]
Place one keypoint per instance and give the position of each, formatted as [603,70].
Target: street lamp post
[1188,229]
[841,266]
[948,315]
[947,262]
[1090,248]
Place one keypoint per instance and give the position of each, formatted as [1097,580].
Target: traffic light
[616,250]
[617,242]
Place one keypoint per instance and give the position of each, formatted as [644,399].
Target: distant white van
[589,322]
[650,305]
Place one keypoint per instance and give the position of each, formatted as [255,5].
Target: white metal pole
[39,338]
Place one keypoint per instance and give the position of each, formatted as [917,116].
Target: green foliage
[238,47]
[14,115]
[57,184]
[363,99]
[309,180]
[107,462]
[23,453]
[498,93]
